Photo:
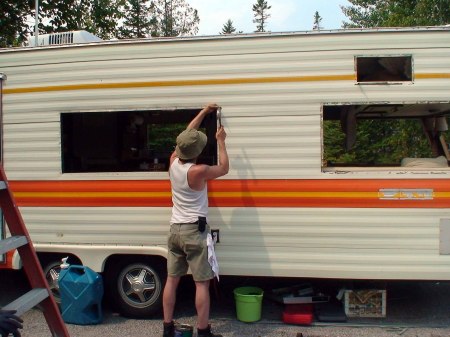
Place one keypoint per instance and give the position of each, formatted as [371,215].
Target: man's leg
[169,297]
[202,303]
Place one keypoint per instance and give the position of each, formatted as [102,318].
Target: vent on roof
[60,38]
[79,36]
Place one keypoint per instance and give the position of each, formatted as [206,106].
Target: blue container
[81,291]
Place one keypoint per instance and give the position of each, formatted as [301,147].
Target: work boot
[206,332]
[169,329]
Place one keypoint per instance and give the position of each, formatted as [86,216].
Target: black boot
[169,329]
[206,332]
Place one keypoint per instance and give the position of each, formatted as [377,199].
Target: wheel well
[46,258]
[115,260]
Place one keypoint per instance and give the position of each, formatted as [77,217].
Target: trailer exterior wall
[272,89]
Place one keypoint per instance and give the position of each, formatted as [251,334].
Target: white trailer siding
[272,89]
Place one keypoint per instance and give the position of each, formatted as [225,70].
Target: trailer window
[128,141]
[386,135]
[383,69]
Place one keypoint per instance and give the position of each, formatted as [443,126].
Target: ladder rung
[12,242]
[27,301]
[3,185]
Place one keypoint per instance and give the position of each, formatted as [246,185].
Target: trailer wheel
[51,272]
[136,289]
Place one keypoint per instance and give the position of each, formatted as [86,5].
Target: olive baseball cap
[190,143]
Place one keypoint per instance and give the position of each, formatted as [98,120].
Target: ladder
[20,239]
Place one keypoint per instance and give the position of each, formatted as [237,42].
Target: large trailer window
[128,141]
[386,135]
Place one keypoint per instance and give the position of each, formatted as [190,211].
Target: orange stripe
[232,193]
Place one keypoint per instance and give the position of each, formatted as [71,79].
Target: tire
[51,272]
[136,289]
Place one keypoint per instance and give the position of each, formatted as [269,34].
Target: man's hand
[210,108]
[221,134]
[10,323]
[195,123]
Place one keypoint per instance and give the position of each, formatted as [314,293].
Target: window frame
[359,168]
[375,58]
[75,142]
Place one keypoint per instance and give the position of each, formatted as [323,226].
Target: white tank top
[188,204]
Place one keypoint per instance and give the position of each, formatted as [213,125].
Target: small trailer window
[128,141]
[383,69]
[386,135]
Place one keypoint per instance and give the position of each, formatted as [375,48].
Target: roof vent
[79,36]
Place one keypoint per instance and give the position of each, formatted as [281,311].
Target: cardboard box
[365,303]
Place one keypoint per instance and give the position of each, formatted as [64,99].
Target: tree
[62,16]
[317,21]
[175,18]
[103,18]
[13,26]
[228,28]
[139,20]
[397,13]
[261,9]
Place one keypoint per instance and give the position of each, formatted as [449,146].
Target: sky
[286,15]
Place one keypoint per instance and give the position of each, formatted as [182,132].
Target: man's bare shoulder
[199,169]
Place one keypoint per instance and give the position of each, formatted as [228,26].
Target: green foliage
[139,19]
[397,13]
[175,18]
[261,14]
[162,136]
[13,26]
[378,142]
[228,28]
[104,17]
[62,16]
[317,21]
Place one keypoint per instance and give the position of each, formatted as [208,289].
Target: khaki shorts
[188,249]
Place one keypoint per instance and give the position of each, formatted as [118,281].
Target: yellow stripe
[225,81]
[432,75]
[211,194]
[267,194]
[294,194]
[441,194]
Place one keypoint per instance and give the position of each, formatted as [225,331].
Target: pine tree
[228,28]
[175,18]
[261,9]
[139,19]
[317,21]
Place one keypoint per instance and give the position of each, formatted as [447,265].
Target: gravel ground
[414,309]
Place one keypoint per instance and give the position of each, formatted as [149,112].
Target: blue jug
[81,291]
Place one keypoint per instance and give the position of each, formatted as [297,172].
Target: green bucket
[248,303]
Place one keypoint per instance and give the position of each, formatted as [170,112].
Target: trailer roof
[241,36]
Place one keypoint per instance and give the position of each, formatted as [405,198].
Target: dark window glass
[128,141]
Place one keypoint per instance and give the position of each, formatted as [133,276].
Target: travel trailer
[88,130]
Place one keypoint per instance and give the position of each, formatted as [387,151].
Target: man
[188,230]
[10,323]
